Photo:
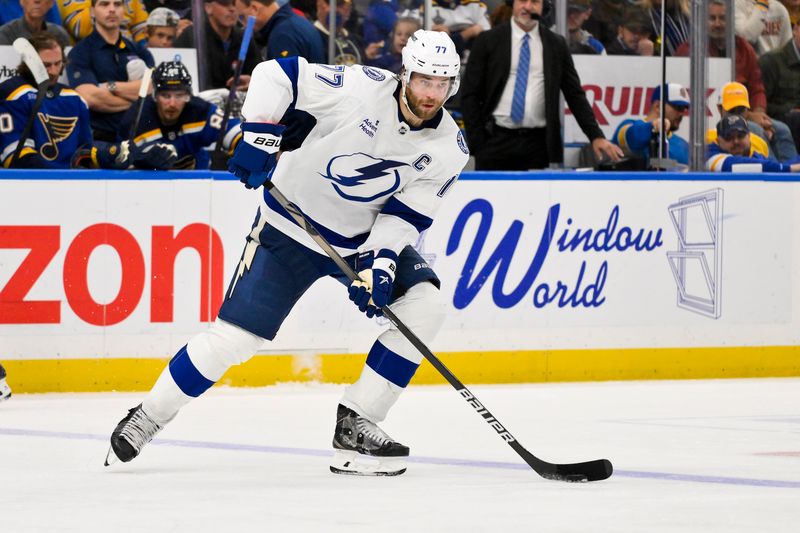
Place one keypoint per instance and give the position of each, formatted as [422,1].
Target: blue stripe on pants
[390,365]
[186,375]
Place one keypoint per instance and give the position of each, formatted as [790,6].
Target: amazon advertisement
[131,268]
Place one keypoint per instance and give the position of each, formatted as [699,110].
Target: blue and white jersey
[60,127]
[365,178]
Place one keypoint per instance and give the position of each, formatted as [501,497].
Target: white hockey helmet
[432,53]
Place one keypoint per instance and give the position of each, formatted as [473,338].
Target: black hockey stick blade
[576,472]
[596,470]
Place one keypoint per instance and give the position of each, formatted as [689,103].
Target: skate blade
[111,457]
[355,464]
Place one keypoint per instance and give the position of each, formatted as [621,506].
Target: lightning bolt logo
[363,176]
[249,252]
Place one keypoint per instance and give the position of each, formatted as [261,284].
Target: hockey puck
[576,478]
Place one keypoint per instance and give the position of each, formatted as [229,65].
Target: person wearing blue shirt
[732,150]
[106,69]
[635,135]
[282,31]
[285,34]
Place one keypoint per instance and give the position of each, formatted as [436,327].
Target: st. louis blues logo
[363,177]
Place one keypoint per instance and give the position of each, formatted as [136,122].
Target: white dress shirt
[534,96]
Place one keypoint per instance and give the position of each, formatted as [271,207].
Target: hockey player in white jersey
[370,177]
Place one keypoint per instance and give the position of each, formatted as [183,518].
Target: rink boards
[547,276]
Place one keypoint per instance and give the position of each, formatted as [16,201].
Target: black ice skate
[5,390]
[130,436]
[363,449]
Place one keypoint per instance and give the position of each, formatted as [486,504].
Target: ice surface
[689,456]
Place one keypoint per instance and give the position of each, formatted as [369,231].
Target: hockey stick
[237,72]
[31,58]
[144,88]
[589,471]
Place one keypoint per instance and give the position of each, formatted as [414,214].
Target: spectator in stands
[781,70]
[379,21]
[173,116]
[510,98]
[463,20]
[581,41]
[183,8]
[106,69]
[500,14]
[347,49]
[33,20]
[61,130]
[606,17]
[638,137]
[11,10]
[390,57]
[77,17]
[764,23]
[748,73]
[633,35]
[162,28]
[283,32]
[734,100]
[223,40]
[793,7]
[733,149]
[676,25]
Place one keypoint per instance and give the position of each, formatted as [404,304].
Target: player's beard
[416,106]
[170,114]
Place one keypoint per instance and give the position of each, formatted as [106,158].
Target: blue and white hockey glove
[255,156]
[377,278]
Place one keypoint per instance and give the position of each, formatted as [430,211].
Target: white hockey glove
[377,273]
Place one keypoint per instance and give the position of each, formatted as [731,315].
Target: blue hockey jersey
[197,128]
[60,127]
[718,160]
[634,136]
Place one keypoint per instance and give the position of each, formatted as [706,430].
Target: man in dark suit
[510,95]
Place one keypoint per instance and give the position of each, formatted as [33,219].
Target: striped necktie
[521,83]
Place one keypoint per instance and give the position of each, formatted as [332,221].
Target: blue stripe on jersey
[390,365]
[186,375]
[331,236]
[292,70]
[400,210]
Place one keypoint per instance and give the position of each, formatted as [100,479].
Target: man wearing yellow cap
[776,144]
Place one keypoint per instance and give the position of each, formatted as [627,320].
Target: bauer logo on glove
[255,156]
